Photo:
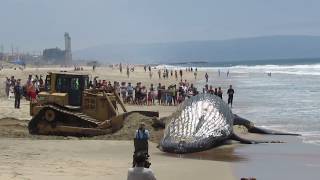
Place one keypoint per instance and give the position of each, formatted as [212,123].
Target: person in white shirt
[139,172]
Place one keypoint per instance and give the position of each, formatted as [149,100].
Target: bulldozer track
[63,115]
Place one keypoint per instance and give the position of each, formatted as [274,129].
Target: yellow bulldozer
[67,107]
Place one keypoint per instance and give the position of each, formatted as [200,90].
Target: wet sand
[292,160]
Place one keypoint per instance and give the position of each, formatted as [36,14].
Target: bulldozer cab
[72,84]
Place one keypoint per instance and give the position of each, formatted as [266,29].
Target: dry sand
[24,156]
[95,159]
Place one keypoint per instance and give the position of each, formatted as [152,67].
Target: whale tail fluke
[253,129]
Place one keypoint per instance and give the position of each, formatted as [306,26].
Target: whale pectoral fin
[259,130]
[249,141]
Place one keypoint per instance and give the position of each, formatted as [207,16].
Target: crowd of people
[218,92]
[29,90]
[140,94]
[135,94]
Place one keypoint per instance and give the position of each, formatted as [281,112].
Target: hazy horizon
[37,24]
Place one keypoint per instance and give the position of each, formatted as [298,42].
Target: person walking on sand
[181,74]
[230,95]
[207,77]
[220,92]
[17,94]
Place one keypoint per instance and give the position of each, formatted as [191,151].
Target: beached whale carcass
[202,122]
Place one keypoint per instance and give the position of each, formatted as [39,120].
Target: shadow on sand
[225,153]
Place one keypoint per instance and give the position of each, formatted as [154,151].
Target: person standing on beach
[120,67]
[228,73]
[181,74]
[220,92]
[230,95]
[151,94]
[17,94]
[205,89]
[130,93]
[207,77]
[128,71]
[142,135]
[195,75]
[159,73]
[159,93]
[123,90]
[176,74]
[211,91]
[7,84]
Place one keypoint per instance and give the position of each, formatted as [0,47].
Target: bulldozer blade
[147,113]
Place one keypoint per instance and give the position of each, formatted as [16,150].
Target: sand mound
[130,126]
[10,127]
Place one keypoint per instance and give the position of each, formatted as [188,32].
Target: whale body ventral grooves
[200,123]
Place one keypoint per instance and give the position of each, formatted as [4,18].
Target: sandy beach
[25,156]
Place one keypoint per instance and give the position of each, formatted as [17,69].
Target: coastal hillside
[255,48]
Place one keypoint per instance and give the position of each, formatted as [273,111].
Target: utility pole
[2,52]
[11,50]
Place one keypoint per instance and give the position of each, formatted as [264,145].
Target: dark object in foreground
[141,153]
[202,122]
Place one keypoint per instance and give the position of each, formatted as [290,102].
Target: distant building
[58,56]
[68,55]
[54,55]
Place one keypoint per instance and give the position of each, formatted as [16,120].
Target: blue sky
[32,25]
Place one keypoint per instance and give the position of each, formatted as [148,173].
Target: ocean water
[289,100]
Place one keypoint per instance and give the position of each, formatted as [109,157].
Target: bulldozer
[67,107]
